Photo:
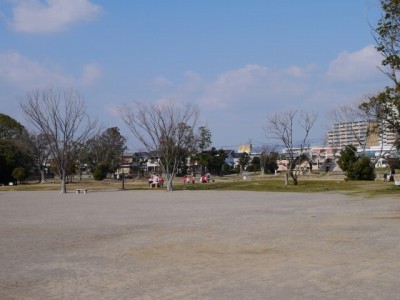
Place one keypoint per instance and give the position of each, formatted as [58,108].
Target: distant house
[230,158]
[315,158]
[282,165]
[323,158]
[153,162]
[141,162]
[128,165]
[236,159]
[233,158]
[137,163]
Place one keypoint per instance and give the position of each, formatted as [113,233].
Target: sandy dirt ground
[198,245]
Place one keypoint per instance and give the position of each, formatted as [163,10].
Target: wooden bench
[78,191]
[155,185]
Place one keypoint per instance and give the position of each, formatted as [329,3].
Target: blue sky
[239,61]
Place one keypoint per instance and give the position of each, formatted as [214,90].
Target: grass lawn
[305,184]
[267,183]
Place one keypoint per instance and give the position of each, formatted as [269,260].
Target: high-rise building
[343,134]
[359,134]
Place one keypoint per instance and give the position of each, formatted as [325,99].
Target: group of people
[186,179]
[388,177]
[156,180]
[203,179]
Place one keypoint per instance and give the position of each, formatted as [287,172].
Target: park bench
[155,185]
[397,182]
[78,191]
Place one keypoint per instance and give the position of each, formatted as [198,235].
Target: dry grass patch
[268,183]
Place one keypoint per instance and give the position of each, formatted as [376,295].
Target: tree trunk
[169,182]
[169,185]
[262,171]
[63,183]
[42,176]
[294,177]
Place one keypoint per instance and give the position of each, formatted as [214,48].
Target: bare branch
[280,126]
[165,128]
[62,119]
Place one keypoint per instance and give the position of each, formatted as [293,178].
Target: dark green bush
[19,174]
[100,172]
[348,157]
[362,169]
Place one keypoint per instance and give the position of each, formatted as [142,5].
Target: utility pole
[123,173]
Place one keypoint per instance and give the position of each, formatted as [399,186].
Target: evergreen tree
[386,104]
[348,156]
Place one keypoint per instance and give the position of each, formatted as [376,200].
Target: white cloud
[22,72]
[194,82]
[299,72]
[162,82]
[35,16]
[260,88]
[91,73]
[231,86]
[243,97]
[358,66]
[252,85]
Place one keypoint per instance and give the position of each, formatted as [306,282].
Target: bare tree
[41,152]
[62,120]
[281,126]
[166,128]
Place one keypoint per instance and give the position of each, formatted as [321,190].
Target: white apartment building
[355,133]
[388,138]
[343,134]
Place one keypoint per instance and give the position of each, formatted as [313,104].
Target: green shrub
[225,168]
[348,157]
[253,168]
[100,172]
[19,174]
[362,169]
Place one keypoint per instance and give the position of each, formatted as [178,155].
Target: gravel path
[198,245]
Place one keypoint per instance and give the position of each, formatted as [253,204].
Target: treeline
[25,154]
